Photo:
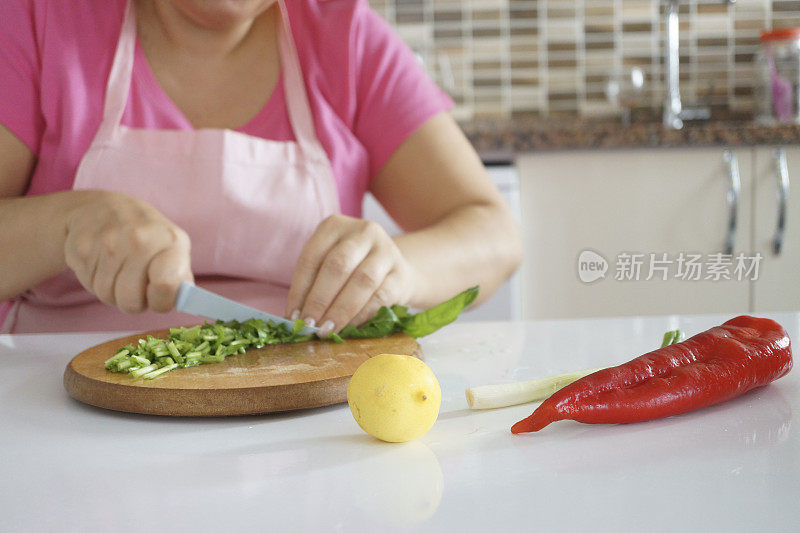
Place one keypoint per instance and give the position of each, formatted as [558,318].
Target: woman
[229,142]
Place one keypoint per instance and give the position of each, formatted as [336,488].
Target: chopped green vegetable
[160,371]
[115,359]
[212,343]
[140,371]
[208,343]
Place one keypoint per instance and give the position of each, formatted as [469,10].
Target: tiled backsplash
[503,58]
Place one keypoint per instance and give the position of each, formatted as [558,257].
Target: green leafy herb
[212,343]
[382,324]
[428,321]
[397,318]
[335,337]
[401,311]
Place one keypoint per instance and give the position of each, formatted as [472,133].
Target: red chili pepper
[711,367]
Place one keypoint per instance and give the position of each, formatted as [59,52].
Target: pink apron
[248,204]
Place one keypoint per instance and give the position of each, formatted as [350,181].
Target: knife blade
[194,300]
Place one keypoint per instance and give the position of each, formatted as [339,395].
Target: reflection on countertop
[493,137]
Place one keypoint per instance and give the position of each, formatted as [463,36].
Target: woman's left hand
[348,269]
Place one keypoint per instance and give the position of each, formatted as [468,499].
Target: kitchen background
[568,97]
[512,58]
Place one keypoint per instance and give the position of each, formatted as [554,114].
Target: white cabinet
[623,203]
[776,190]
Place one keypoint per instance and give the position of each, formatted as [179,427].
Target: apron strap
[295,89]
[119,79]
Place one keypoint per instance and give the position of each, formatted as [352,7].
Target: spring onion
[505,394]
[208,343]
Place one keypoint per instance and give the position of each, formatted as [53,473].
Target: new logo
[591,266]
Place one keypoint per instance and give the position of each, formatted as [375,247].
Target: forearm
[32,238]
[477,244]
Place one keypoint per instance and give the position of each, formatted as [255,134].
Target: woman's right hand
[127,253]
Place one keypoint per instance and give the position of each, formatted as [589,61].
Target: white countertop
[65,466]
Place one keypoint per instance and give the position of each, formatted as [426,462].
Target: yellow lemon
[393,397]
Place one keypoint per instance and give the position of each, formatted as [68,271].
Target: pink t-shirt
[367,91]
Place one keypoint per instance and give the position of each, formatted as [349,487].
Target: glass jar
[777,91]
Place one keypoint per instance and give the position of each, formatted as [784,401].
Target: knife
[201,302]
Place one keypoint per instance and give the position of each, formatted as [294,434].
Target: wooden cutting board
[283,377]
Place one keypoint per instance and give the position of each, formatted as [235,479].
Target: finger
[308,264]
[165,273]
[130,288]
[110,258]
[336,269]
[387,294]
[81,256]
[357,291]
